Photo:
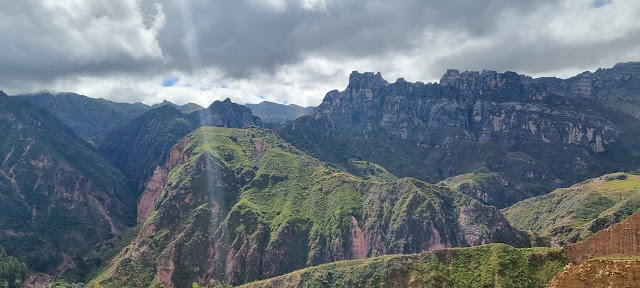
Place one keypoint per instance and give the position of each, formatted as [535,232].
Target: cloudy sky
[294,51]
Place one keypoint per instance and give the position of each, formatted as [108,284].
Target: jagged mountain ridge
[262,208]
[539,133]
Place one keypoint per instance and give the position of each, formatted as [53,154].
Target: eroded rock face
[619,240]
[599,273]
[544,132]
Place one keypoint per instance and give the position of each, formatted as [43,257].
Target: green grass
[494,265]
[574,213]
[243,188]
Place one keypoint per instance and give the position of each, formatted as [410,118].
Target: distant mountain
[494,265]
[537,134]
[89,118]
[236,205]
[224,114]
[59,199]
[141,145]
[575,213]
[271,112]
[186,108]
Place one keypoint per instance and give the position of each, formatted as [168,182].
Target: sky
[295,51]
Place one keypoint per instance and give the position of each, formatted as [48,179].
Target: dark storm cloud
[242,36]
[123,49]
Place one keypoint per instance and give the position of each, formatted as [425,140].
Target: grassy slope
[494,265]
[293,204]
[575,213]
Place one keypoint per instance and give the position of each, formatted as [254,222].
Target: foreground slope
[539,134]
[59,199]
[609,258]
[242,204]
[575,213]
[494,265]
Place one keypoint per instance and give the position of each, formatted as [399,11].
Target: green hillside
[575,213]
[494,265]
[243,205]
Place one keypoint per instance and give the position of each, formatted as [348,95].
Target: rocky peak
[358,81]
[2,94]
[224,114]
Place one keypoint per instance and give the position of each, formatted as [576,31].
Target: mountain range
[383,184]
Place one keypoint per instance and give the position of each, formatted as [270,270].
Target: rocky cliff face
[224,114]
[59,199]
[537,132]
[619,240]
[241,204]
[141,145]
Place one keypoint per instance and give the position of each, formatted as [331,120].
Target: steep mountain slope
[186,108]
[224,114]
[59,199]
[89,118]
[538,133]
[242,204]
[575,213]
[142,144]
[271,112]
[494,265]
